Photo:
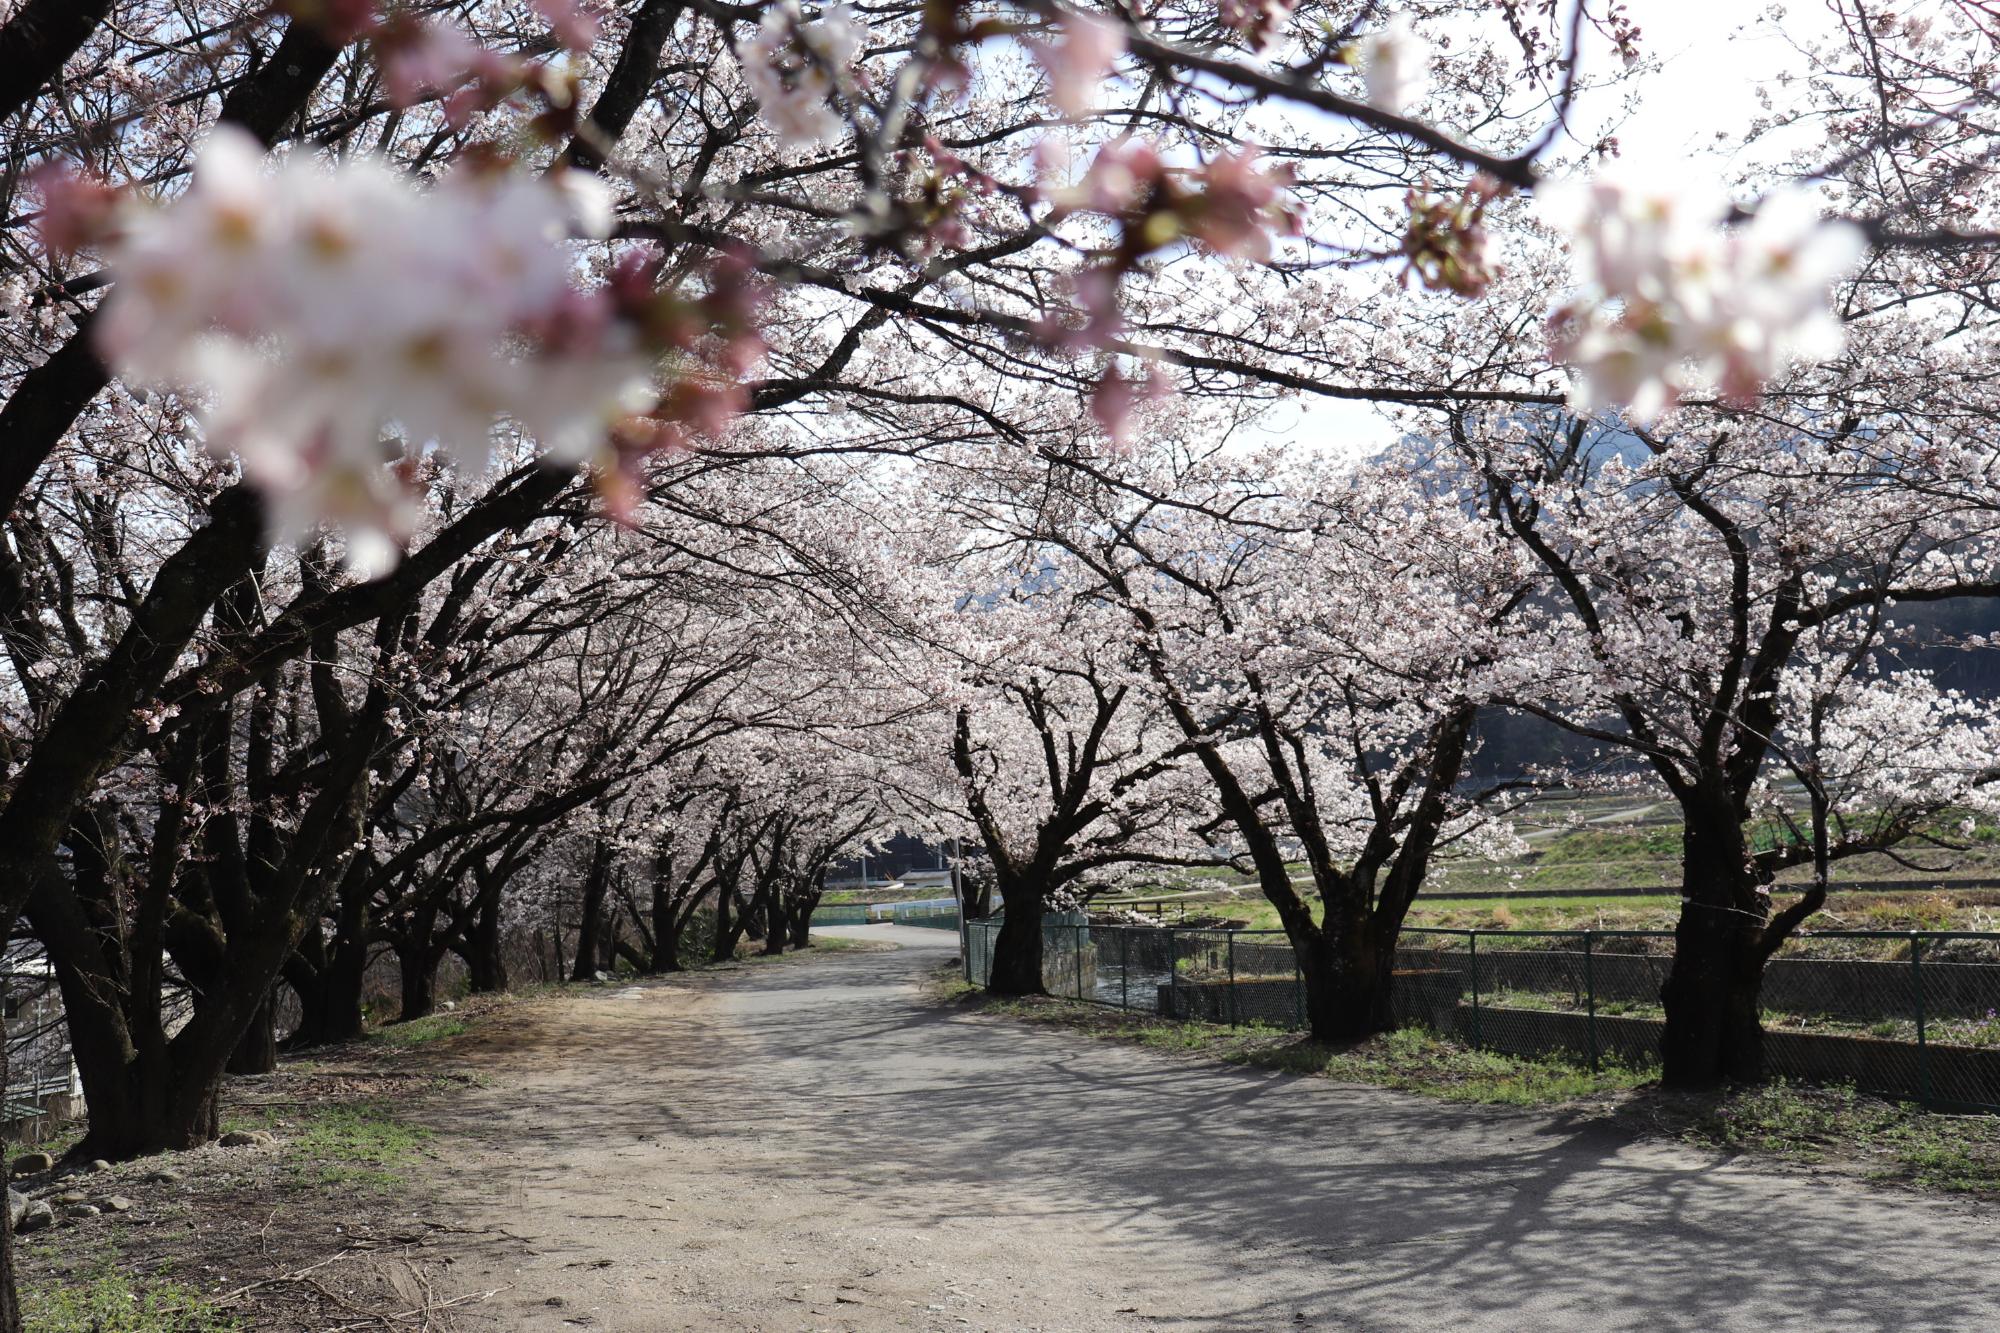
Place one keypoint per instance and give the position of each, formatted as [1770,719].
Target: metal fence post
[1472,966]
[1124,967]
[1917,992]
[1082,938]
[1231,937]
[1590,994]
[1173,979]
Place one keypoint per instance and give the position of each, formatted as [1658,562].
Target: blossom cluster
[1446,241]
[337,323]
[1231,205]
[794,69]
[1671,295]
[421,59]
[1395,66]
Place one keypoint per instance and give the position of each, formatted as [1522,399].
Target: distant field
[878,894]
[1915,910]
[1605,842]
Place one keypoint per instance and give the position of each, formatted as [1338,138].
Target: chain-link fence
[1909,1013]
[38,1055]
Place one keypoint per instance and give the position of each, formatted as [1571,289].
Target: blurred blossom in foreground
[1395,67]
[1671,295]
[338,321]
[1262,22]
[1077,60]
[793,68]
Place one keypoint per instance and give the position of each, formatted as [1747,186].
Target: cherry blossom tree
[1313,633]
[1720,602]
[317,319]
[1043,744]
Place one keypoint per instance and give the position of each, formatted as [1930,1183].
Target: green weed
[1410,1060]
[110,1303]
[361,1145]
[1896,1141]
[419,1031]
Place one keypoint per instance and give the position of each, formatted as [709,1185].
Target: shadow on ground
[1211,1197]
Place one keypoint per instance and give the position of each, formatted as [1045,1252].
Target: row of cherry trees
[465,461]
[1288,665]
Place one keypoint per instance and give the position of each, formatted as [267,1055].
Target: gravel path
[807,1145]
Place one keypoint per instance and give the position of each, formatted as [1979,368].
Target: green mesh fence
[840,914]
[1911,1014]
[930,920]
[931,914]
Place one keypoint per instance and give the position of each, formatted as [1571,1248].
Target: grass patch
[419,1031]
[360,1145]
[1523,909]
[1414,1060]
[1890,1141]
[845,944]
[59,1139]
[110,1303]
[950,985]
[1410,1060]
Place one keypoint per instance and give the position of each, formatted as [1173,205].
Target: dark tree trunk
[417,966]
[329,1008]
[257,1051]
[328,980]
[313,1019]
[1713,1030]
[418,953]
[589,930]
[978,898]
[666,934]
[803,908]
[1347,976]
[667,944]
[727,928]
[485,967]
[1017,949]
[145,1105]
[777,927]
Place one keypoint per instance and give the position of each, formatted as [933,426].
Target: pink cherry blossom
[1077,57]
[1671,296]
[794,69]
[574,23]
[336,320]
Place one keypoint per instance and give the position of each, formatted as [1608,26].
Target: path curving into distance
[811,1145]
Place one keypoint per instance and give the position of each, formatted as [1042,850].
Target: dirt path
[805,1145]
